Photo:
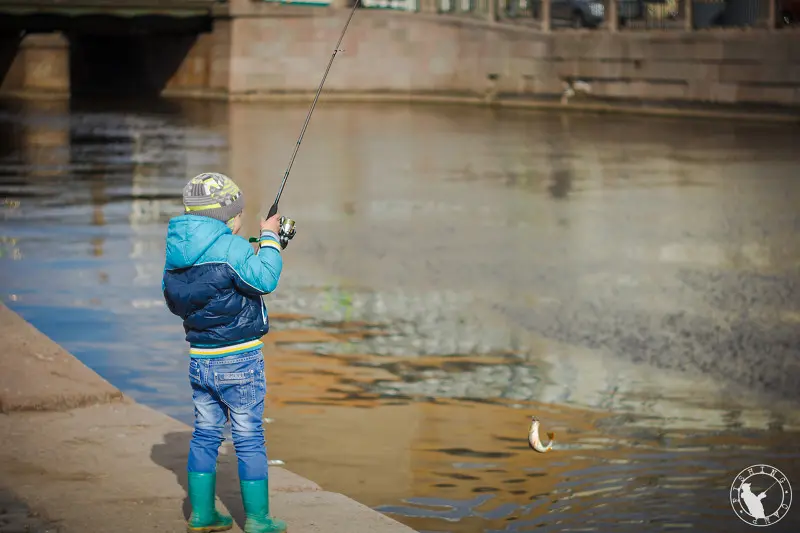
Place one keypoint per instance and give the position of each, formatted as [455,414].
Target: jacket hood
[188,238]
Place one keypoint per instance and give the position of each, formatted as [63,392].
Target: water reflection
[472,470]
[455,271]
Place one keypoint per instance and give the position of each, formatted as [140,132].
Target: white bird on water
[533,437]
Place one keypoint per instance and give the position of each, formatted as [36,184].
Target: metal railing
[477,8]
[614,15]
[397,5]
[658,14]
[521,11]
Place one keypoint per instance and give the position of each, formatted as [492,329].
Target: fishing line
[336,50]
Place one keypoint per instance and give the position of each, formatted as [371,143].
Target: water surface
[633,282]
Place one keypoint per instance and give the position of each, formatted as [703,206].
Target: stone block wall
[409,53]
[206,67]
[35,64]
[283,50]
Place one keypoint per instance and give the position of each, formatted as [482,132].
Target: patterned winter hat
[213,195]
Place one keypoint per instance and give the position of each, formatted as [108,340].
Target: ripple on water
[414,306]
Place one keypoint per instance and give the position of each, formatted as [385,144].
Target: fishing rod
[287,229]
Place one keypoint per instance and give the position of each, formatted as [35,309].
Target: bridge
[95,46]
[109,16]
[254,48]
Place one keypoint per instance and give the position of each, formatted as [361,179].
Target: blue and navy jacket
[214,282]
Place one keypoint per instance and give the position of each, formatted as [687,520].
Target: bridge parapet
[117,8]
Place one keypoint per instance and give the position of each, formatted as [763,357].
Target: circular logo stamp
[761,495]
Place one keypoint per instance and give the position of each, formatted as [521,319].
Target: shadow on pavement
[173,454]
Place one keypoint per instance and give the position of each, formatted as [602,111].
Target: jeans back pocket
[194,372]
[236,389]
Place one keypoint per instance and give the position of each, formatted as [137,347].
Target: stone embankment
[77,455]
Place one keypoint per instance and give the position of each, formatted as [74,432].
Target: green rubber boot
[255,498]
[205,517]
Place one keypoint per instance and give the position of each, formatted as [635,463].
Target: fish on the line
[533,437]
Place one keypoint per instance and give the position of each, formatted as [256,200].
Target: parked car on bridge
[579,13]
[591,13]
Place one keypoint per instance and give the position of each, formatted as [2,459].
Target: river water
[633,282]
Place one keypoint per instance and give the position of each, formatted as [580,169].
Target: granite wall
[285,50]
[418,53]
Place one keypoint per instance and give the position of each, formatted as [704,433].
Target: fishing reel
[286,231]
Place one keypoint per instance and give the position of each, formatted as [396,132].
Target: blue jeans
[234,388]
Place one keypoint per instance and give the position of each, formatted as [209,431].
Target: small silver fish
[533,437]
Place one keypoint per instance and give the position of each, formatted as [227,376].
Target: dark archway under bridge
[95,47]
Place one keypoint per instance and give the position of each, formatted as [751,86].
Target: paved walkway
[16,517]
[78,456]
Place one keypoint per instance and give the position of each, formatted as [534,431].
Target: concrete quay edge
[605,107]
[39,375]
[584,106]
[87,458]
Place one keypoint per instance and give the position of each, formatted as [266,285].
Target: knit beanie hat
[213,195]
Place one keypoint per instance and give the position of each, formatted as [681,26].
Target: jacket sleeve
[256,274]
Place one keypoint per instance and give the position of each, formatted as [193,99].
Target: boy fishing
[214,281]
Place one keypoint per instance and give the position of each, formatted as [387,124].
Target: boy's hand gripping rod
[287,229]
